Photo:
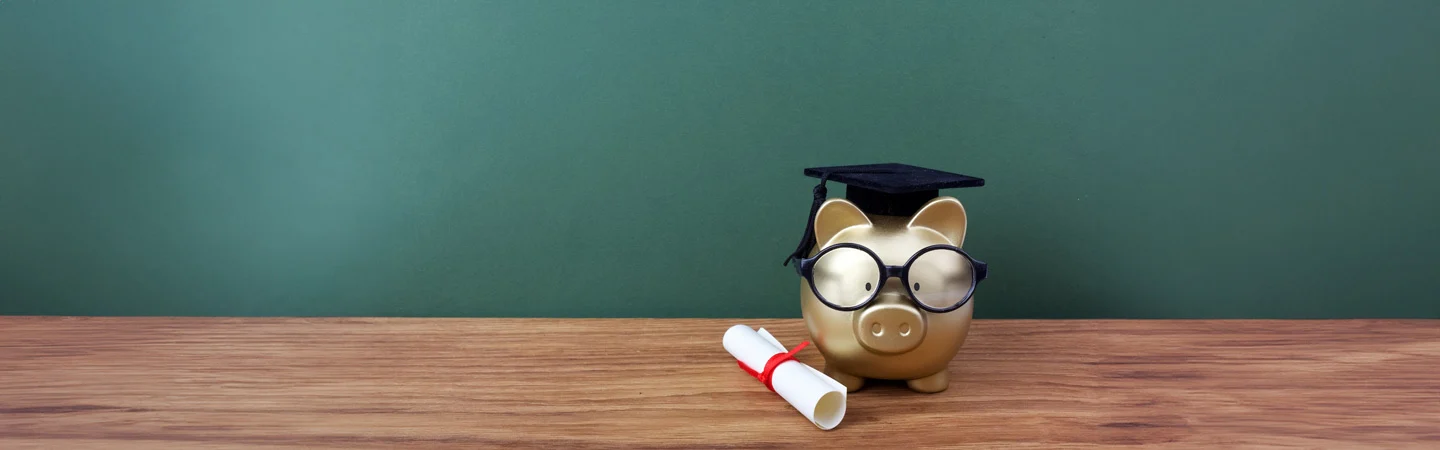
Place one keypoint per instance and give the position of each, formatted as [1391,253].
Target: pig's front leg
[852,383]
[930,384]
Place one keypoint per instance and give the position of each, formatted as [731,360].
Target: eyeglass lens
[846,276]
[940,278]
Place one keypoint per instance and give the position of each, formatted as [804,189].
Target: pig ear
[944,215]
[835,215]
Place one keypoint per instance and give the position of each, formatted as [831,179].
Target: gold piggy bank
[889,297]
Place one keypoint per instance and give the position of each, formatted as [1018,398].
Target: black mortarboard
[880,189]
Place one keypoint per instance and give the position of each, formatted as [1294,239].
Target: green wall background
[621,158]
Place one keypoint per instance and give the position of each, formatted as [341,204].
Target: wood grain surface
[638,383]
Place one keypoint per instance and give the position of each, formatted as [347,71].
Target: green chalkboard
[643,158]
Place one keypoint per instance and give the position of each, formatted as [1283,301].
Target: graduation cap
[890,189]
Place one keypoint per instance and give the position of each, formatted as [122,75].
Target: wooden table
[468,383]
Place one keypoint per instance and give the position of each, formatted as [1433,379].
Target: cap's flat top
[895,178]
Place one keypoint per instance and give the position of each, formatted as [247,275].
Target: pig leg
[930,384]
[852,383]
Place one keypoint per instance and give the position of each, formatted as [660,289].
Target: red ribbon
[765,375]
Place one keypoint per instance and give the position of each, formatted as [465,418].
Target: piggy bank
[889,297]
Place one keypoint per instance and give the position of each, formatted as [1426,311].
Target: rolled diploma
[818,397]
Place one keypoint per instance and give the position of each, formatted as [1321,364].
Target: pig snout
[890,328]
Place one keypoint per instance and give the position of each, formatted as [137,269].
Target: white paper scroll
[820,398]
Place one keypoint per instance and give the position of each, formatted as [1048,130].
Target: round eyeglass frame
[806,269]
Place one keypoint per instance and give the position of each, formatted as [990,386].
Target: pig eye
[917,286]
[867,287]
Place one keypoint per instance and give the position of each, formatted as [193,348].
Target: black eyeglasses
[846,277]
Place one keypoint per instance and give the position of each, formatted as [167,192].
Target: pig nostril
[904,329]
[876,329]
